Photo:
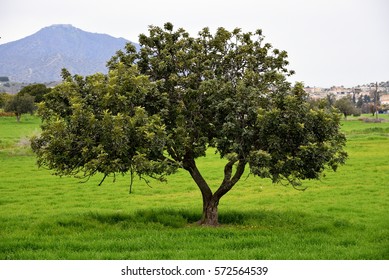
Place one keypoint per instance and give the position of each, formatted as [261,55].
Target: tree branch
[189,164]
[229,182]
[239,172]
[228,171]
[105,176]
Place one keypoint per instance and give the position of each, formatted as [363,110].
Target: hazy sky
[329,42]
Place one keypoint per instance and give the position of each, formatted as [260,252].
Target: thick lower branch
[190,165]
[229,182]
[228,170]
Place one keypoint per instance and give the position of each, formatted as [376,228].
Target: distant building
[384,99]
[364,93]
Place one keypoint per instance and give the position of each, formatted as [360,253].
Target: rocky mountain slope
[40,57]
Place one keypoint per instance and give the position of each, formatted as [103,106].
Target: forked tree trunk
[211,200]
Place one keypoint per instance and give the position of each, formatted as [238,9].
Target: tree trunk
[210,213]
[211,200]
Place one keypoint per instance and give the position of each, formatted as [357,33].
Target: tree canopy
[36,90]
[161,108]
[346,106]
[20,104]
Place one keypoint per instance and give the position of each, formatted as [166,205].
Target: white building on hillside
[384,99]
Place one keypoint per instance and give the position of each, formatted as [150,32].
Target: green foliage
[294,141]
[4,97]
[228,90]
[97,125]
[162,107]
[20,104]
[345,106]
[38,91]
[214,84]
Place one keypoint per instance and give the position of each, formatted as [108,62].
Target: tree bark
[190,165]
[210,213]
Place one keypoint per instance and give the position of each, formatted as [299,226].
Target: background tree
[359,102]
[20,104]
[345,106]
[36,90]
[374,109]
[4,97]
[163,107]
[331,99]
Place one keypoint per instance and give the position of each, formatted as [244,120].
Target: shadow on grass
[172,218]
[165,217]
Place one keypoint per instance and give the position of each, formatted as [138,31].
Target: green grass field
[343,216]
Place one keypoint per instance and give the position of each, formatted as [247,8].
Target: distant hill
[40,57]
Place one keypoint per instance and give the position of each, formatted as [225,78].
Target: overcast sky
[329,42]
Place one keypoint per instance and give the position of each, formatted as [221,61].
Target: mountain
[40,57]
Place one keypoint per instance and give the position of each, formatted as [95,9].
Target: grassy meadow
[343,216]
